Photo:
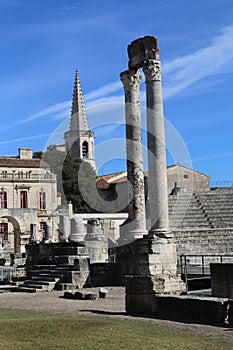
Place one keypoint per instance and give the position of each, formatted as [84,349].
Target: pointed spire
[78,114]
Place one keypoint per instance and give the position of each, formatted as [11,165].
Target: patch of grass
[29,330]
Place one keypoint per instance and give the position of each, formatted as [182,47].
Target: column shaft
[135,226]
[157,170]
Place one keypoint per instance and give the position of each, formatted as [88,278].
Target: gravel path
[112,306]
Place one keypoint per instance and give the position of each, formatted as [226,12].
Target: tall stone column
[135,226]
[157,170]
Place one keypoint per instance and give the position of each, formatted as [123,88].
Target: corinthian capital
[130,80]
[152,70]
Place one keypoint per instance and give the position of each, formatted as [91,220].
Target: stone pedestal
[77,230]
[135,226]
[152,270]
[64,227]
[96,242]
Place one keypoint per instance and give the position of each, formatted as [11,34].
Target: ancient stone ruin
[150,261]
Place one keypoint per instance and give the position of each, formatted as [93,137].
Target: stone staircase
[43,282]
[51,266]
[186,212]
[218,204]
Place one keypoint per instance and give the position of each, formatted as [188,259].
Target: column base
[153,234]
[128,236]
[76,237]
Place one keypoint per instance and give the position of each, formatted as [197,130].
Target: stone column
[96,242]
[135,225]
[77,229]
[157,170]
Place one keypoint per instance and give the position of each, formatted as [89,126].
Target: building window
[186,176]
[20,174]
[42,200]
[4,231]
[85,149]
[4,174]
[28,174]
[43,229]
[23,199]
[3,199]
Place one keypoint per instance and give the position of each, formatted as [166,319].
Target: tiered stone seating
[218,204]
[185,212]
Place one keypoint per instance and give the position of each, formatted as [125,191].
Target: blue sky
[42,43]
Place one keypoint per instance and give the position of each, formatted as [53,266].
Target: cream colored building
[28,201]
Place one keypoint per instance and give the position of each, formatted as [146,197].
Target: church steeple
[79,139]
[78,114]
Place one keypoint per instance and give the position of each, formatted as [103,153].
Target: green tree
[79,185]
[38,154]
[76,180]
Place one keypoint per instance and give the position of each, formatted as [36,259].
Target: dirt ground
[112,306]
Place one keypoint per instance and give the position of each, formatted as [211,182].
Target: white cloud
[179,74]
[213,156]
[44,112]
[104,90]
[184,71]
[23,139]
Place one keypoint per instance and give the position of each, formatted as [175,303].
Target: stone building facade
[28,201]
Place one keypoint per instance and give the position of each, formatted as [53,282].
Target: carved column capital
[130,80]
[152,70]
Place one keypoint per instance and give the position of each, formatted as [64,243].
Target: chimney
[25,153]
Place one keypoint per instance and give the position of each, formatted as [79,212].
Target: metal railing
[196,268]
[199,264]
[7,273]
[24,177]
[214,184]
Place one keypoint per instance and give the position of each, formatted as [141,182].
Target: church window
[4,231]
[20,174]
[28,174]
[4,174]
[3,199]
[85,149]
[42,200]
[23,199]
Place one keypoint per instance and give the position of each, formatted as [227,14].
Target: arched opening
[85,149]
[16,231]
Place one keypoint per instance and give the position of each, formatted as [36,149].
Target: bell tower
[79,140]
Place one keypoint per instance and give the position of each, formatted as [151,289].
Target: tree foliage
[76,180]
[79,184]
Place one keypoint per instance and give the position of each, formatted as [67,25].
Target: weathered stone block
[192,309]
[141,304]
[180,308]
[222,279]
[230,312]
[142,49]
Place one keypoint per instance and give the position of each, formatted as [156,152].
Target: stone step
[31,286]
[66,250]
[44,277]
[25,290]
[44,266]
[38,285]
[38,282]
